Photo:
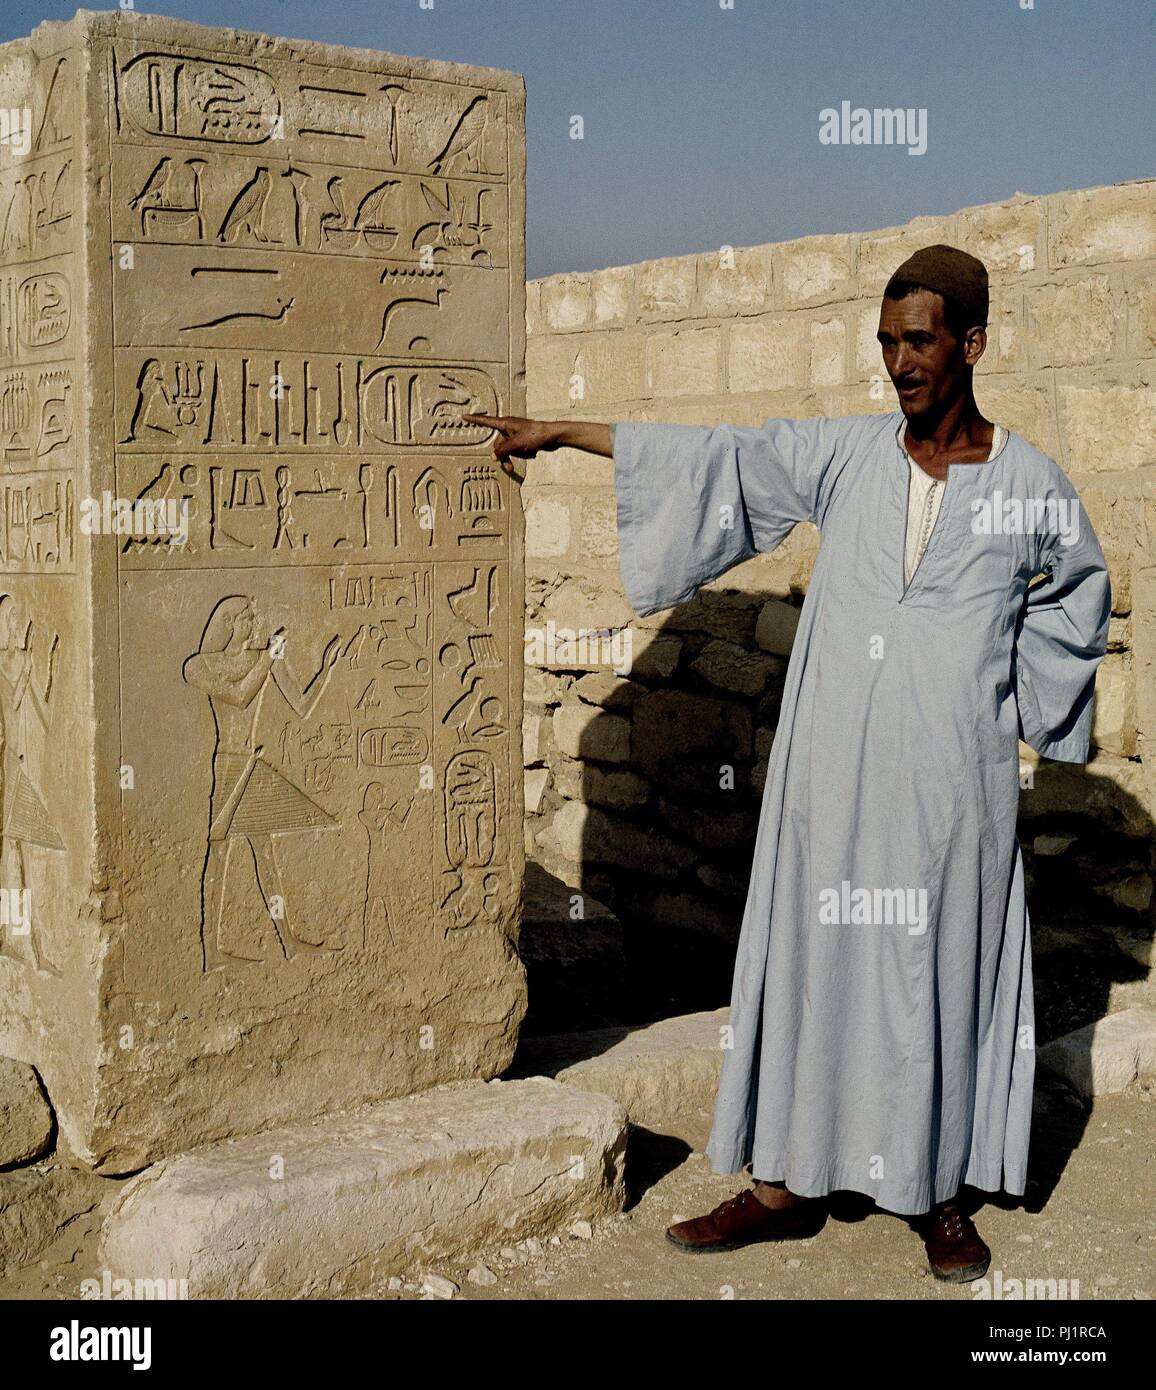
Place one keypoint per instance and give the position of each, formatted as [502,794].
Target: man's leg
[777,1196]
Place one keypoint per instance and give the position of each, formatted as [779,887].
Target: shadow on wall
[645,801]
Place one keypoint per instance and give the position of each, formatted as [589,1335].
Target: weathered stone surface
[608,368]
[535,782]
[435,1176]
[733,280]
[609,691]
[776,627]
[828,352]
[655,654]
[687,362]
[671,724]
[1075,322]
[732,667]
[1106,1056]
[38,1203]
[1107,425]
[572,946]
[881,253]
[613,291]
[600,786]
[814,270]
[598,537]
[1102,224]
[581,834]
[25,1115]
[767,353]
[1005,236]
[585,731]
[269,783]
[666,288]
[1114,720]
[547,527]
[566,303]
[665,1075]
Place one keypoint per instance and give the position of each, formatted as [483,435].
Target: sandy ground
[1093,1223]
[1088,1216]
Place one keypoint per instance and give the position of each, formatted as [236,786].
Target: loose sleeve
[693,501]
[1061,640]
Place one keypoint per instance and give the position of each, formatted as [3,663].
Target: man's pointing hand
[521,438]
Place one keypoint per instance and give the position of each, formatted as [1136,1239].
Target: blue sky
[702,123]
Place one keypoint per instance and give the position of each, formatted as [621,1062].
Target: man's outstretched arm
[521,438]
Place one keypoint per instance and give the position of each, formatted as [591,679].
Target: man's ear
[974,343]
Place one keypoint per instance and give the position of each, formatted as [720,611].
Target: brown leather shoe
[955,1251]
[743,1220]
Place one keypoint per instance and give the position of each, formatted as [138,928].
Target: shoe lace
[953,1223]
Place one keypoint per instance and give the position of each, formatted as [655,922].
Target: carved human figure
[251,800]
[24,819]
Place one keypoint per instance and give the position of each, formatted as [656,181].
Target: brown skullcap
[948,271]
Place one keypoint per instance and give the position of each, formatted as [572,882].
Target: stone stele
[261,590]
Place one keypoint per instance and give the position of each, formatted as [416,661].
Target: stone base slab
[337,1206]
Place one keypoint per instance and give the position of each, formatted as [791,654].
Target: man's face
[927,365]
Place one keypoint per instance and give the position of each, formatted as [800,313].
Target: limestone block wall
[624,792]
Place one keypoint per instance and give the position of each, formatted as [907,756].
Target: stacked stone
[622,778]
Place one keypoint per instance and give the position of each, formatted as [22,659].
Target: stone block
[733,668]
[598,536]
[1140,293]
[665,1075]
[547,527]
[813,270]
[438,1176]
[610,691]
[37,1204]
[666,288]
[1021,404]
[536,781]
[1101,225]
[585,731]
[687,362]
[1005,236]
[767,354]
[733,281]
[1107,426]
[261,625]
[672,724]
[1106,1056]
[613,296]
[1074,323]
[1114,717]
[828,352]
[882,253]
[566,303]
[776,627]
[551,386]
[608,369]
[25,1115]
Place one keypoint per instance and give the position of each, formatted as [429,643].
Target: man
[881,1018]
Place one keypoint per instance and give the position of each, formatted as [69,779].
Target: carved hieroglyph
[260,772]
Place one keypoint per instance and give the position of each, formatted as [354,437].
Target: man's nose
[900,360]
